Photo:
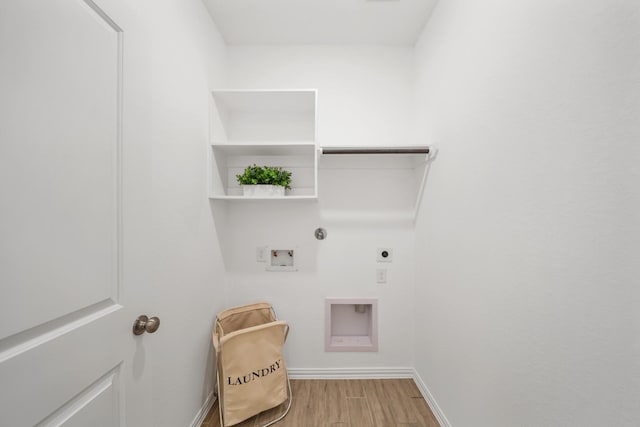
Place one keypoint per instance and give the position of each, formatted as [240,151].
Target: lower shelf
[216,197]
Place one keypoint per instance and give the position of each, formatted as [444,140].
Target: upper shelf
[250,148]
[265,116]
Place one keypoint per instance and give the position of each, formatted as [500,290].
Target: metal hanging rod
[378,150]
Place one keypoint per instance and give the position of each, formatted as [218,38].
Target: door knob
[144,324]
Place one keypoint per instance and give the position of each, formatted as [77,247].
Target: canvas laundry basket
[252,376]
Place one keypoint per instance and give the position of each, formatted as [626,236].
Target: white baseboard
[202,413]
[442,419]
[349,373]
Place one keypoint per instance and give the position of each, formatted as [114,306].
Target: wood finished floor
[346,403]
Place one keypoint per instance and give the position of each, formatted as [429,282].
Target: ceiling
[269,22]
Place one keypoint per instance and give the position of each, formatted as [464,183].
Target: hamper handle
[216,337]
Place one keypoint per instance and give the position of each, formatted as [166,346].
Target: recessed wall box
[282,260]
[351,324]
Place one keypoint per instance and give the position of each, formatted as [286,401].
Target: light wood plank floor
[347,403]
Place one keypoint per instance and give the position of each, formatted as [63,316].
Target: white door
[73,183]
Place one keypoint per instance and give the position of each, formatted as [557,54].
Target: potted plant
[264,181]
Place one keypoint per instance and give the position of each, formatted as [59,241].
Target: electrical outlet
[385,255]
[381,275]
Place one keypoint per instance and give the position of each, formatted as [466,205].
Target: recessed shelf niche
[265,127]
[351,324]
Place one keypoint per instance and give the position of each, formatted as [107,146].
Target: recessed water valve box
[282,260]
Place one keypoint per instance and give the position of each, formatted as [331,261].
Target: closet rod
[368,150]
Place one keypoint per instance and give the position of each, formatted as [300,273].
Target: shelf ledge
[216,197]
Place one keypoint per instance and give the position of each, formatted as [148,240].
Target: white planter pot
[262,190]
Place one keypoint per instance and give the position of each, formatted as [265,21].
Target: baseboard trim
[424,390]
[202,413]
[349,373]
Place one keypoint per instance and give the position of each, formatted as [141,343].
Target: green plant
[265,175]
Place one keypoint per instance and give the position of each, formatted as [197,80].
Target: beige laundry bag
[252,376]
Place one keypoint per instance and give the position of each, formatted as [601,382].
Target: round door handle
[145,324]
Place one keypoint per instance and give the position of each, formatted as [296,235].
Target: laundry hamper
[252,376]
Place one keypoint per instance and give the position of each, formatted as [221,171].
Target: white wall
[364,99]
[188,58]
[529,234]
[364,92]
